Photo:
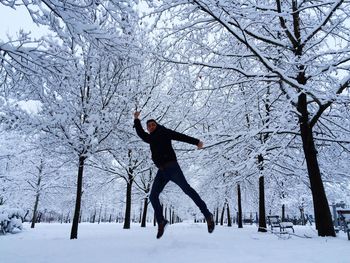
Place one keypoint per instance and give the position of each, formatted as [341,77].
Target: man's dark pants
[172,172]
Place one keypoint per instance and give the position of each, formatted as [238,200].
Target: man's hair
[151,120]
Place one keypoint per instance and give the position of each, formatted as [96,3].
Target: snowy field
[181,243]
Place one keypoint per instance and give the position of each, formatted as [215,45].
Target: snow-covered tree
[302,45]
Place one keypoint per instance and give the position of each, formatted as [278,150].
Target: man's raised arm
[139,130]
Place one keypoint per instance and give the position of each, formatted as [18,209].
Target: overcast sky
[11,21]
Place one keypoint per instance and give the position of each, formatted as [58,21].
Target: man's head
[151,125]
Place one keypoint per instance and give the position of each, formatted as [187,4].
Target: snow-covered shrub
[10,219]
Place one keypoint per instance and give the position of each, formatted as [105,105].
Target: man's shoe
[161,228]
[210,223]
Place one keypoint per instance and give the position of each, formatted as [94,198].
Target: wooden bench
[344,221]
[275,222]
[247,221]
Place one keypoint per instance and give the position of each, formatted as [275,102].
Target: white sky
[11,21]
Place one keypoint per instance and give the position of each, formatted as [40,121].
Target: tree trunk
[35,210]
[302,217]
[239,219]
[170,215]
[67,218]
[99,214]
[323,216]
[217,216]
[222,215]
[128,205]
[74,231]
[262,216]
[39,217]
[94,216]
[144,213]
[283,217]
[229,221]
[25,216]
[37,197]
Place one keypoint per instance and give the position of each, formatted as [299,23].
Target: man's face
[151,126]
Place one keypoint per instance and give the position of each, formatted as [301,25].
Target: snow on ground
[181,243]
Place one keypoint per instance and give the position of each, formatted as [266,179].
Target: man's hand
[200,145]
[137,114]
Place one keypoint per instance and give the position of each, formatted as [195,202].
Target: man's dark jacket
[160,142]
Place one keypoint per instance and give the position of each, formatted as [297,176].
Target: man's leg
[158,185]
[177,176]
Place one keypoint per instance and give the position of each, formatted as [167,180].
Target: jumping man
[163,155]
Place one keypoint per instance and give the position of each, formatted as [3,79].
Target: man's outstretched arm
[139,130]
[185,138]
